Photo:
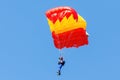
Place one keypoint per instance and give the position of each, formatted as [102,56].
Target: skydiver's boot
[58,73]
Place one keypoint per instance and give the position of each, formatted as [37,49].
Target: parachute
[68,28]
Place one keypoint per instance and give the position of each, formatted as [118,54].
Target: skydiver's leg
[60,66]
[59,71]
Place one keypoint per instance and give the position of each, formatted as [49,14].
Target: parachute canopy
[68,28]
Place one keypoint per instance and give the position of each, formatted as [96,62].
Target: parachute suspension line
[65,43]
[60,52]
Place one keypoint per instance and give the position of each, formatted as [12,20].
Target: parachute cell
[68,28]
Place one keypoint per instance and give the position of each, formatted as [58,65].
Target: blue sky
[27,51]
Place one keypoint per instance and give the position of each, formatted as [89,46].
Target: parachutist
[61,63]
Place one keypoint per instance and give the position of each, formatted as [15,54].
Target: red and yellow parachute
[68,28]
